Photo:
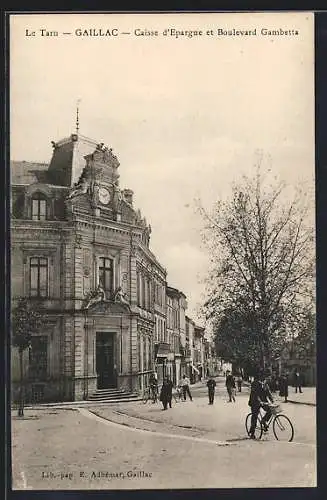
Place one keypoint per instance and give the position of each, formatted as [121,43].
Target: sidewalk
[307,397]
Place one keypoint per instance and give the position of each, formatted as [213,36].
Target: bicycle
[150,394]
[282,426]
[178,394]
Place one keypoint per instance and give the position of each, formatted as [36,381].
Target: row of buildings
[80,251]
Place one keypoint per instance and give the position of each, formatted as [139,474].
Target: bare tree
[262,257]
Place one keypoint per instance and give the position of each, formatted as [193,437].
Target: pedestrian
[166,393]
[230,386]
[283,386]
[211,384]
[186,388]
[239,381]
[273,382]
[169,390]
[179,392]
[297,381]
[153,380]
[259,396]
[268,380]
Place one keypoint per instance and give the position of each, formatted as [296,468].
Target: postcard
[162,250]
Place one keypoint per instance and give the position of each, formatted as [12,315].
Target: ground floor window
[37,393]
[38,358]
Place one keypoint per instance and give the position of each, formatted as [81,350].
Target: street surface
[140,446]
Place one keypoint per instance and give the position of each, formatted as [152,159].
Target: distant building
[199,352]
[294,358]
[176,307]
[191,369]
[213,364]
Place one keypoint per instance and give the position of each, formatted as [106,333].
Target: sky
[186,116]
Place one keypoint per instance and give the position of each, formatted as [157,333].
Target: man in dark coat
[166,393]
[169,391]
[211,384]
[283,386]
[273,382]
[297,381]
[230,386]
[259,397]
[239,381]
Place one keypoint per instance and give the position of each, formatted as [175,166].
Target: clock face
[104,196]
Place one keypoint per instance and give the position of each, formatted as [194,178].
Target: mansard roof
[65,167]
[174,292]
[26,172]
[68,159]
[78,156]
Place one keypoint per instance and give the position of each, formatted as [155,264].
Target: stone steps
[100,397]
[112,396]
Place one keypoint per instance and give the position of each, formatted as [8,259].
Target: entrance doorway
[105,360]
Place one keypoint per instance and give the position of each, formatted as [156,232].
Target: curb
[301,403]
[72,405]
[107,421]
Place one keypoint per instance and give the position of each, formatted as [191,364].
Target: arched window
[39,207]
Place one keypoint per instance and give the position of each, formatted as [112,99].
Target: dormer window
[39,207]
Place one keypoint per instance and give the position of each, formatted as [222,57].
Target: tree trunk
[21,387]
[262,357]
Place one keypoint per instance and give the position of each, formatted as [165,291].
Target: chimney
[128,196]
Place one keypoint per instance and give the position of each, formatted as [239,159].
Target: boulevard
[140,446]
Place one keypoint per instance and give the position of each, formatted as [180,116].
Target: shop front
[161,355]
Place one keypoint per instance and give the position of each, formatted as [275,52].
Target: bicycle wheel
[258,428]
[283,428]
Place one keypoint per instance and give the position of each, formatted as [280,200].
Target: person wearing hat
[230,386]
[166,393]
[211,384]
[186,387]
[260,396]
[297,381]
[154,386]
[283,386]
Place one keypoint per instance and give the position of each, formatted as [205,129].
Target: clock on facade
[104,196]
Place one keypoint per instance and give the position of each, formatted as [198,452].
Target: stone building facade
[199,352]
[80,251]
[176,331]
[189,348]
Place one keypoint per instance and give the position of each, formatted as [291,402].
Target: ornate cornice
[36,233]
[53,187]
[150,256]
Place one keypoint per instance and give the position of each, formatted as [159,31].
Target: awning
[161,350]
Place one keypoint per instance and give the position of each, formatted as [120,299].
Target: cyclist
[259,397]
[153,386]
